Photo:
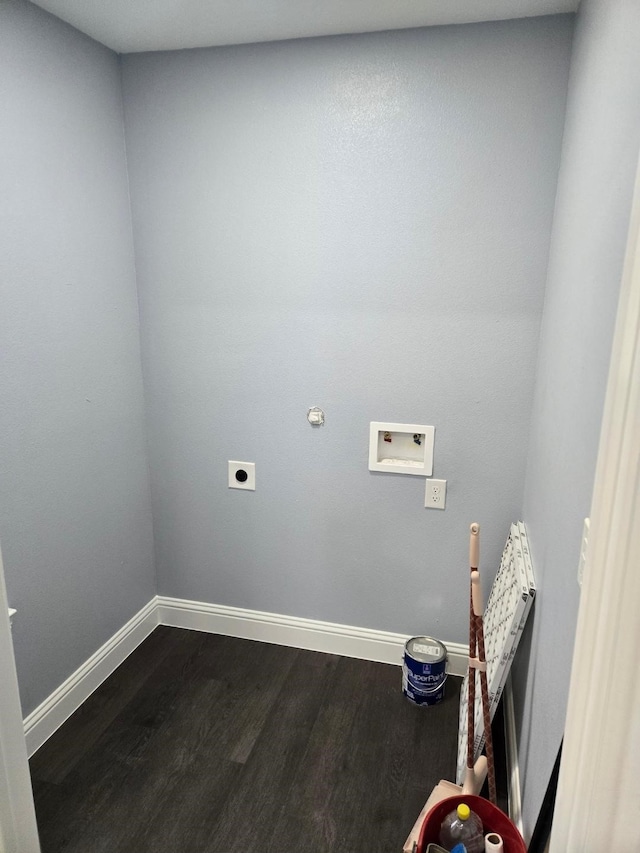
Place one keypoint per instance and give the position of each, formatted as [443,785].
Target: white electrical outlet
[436,494]
[242,475]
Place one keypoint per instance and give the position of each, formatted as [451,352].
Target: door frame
[597,805]
[18,828]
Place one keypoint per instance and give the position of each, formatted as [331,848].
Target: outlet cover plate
[435,496]
[242,475]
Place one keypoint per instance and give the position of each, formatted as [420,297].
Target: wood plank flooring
[207,744]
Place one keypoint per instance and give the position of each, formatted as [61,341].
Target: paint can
[424,670]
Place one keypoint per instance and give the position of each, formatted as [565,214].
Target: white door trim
[597,806]
[18,829]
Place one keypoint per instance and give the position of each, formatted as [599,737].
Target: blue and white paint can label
[424,670]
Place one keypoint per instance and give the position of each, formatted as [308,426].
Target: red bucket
[493,820]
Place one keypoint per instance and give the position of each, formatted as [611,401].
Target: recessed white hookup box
[401,448]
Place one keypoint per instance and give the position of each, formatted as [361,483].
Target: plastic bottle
[462,826]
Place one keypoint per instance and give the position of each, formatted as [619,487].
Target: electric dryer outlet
[242,475]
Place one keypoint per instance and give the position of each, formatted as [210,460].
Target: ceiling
[130,26]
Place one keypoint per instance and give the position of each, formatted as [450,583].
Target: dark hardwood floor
[206,743]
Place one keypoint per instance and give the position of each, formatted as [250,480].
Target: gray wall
[599,160]
[75,521]
[359,223]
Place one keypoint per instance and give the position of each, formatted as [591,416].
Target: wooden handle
[476,594]
[474,545]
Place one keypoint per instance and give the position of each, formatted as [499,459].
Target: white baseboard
[41,723]
[363,643]
[330,637]
[513,766]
